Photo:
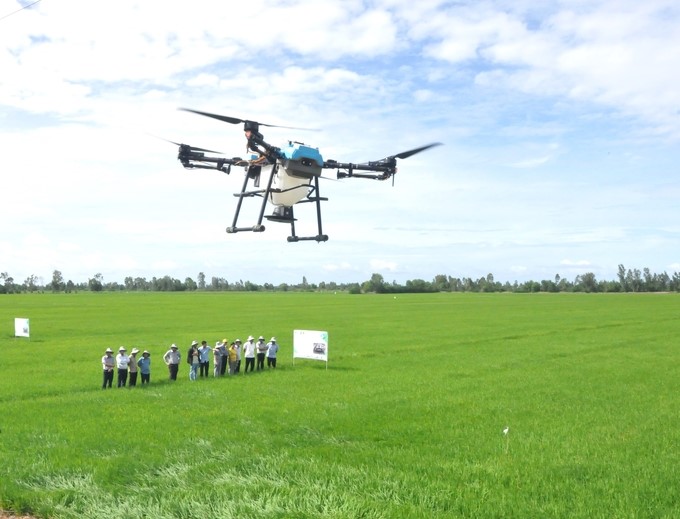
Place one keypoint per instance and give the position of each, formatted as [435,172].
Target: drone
[289,175]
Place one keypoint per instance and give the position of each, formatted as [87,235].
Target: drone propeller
[194,148]
[189,148]
[407,154]
[236,120]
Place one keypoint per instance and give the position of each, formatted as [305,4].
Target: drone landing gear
[281,214]
[284,214]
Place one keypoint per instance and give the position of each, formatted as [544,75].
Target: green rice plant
[406,420]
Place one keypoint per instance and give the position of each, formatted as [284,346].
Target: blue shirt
[204,353]
[144,365]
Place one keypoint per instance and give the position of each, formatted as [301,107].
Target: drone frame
[196,158]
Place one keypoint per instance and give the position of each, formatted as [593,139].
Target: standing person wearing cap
[249,353]
[144,365]
[224,352]
[272,350]
[261,348]
[204,357]
[217,359]
[237,347]
[122,361]
[108,364]
[172,358]
[132,367]
[233,358]
[193,359]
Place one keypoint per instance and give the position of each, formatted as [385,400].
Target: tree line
[628,280]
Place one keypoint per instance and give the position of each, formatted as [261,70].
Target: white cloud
[383,265]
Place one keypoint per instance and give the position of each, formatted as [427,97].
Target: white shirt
[249,350]
[122,361]
[172,356]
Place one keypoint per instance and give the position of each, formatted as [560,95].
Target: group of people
[226,358]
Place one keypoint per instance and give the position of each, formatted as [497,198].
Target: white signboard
[310,344]
[21,328]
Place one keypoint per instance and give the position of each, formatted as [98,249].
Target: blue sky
[560,124]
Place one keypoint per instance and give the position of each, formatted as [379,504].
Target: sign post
[21,327]
[310,344]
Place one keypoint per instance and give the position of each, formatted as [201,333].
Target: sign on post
[310,344]
[21,327]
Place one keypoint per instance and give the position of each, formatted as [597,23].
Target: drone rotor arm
[196,158]
[384,169]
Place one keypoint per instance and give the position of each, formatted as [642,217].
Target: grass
[406,421]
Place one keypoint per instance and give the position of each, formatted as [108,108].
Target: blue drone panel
[296,151]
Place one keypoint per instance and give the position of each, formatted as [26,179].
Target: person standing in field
[233,358]
[193,359]
[122,361]
[144,365]
[272,350]
[249,353]
[132,367]
[172,358]
[224,347]
[261,348]
[237,347]
[108,364]
[204,356]
[217,359]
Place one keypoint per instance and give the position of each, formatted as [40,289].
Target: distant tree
[57,281]
[354,288]
[589,282]
[31,283]
[548,286]
[375,284]
[419,286]
[190,284]
[129,283]
[623,280]
[141,284]
[441,283]
[70,286]
[96,284]
[201,281]
[251,287]
[8,283]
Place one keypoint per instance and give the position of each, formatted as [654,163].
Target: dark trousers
[146,377]
[204,367]
[133,378]
[122,377]
[271,362]
[238,366]
[250,361]
[260,361]
[173,368]
[223,364]
[108,379]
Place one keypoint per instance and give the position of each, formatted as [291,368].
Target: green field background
[405,420]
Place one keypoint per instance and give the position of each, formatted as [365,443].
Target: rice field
[437,405]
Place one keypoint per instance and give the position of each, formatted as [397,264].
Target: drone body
[296,169]
[291,174]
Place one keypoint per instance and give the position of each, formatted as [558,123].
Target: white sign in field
[21,327]
[310,344]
